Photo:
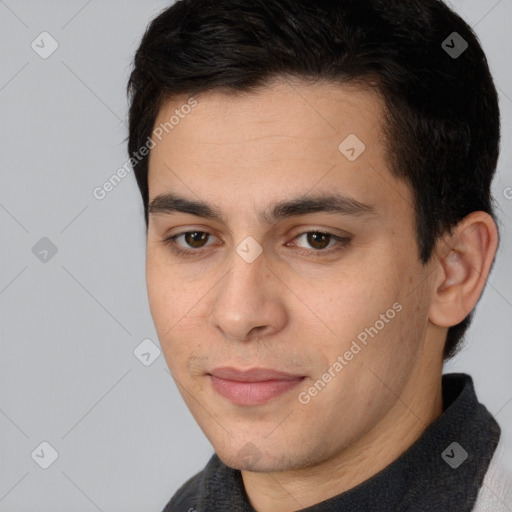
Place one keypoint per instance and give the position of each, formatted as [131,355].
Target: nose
[250,301]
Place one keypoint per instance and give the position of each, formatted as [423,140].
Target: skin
[296,309]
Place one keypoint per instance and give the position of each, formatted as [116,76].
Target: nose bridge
[242,289]
[246,299]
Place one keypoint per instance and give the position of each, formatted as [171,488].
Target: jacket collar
[443,470]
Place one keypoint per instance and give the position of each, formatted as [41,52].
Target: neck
[418,406]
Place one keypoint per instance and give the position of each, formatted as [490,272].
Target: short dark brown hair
[442,114]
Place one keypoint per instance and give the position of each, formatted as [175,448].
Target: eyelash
[342,242]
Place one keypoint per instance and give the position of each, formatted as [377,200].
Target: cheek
[374,319]
[174,305]
[353,301]
[159,290]
[166,298]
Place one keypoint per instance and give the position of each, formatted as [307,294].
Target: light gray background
[69,326]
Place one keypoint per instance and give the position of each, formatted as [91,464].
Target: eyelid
[298,230]
[340,242]
[170,239]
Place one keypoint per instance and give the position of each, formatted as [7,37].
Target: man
[316,180]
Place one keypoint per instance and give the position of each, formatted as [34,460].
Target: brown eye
[320,243]
[188,243]
[195,239]
[318,240]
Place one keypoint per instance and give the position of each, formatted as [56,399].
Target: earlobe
[465,259]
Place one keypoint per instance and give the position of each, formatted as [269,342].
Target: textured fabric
[496,492]
[422,479]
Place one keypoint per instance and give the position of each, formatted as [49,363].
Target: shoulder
[496,492]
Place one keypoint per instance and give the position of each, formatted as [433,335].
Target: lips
[252,387]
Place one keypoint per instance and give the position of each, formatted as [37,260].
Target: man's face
[346,317]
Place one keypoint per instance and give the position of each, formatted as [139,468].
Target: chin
[252,458]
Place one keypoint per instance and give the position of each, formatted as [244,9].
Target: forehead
[283,140]
[282,108]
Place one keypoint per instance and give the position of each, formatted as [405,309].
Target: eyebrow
[302,205]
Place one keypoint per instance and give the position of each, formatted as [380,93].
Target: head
[273,123]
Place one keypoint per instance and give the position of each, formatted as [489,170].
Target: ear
[465,258]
